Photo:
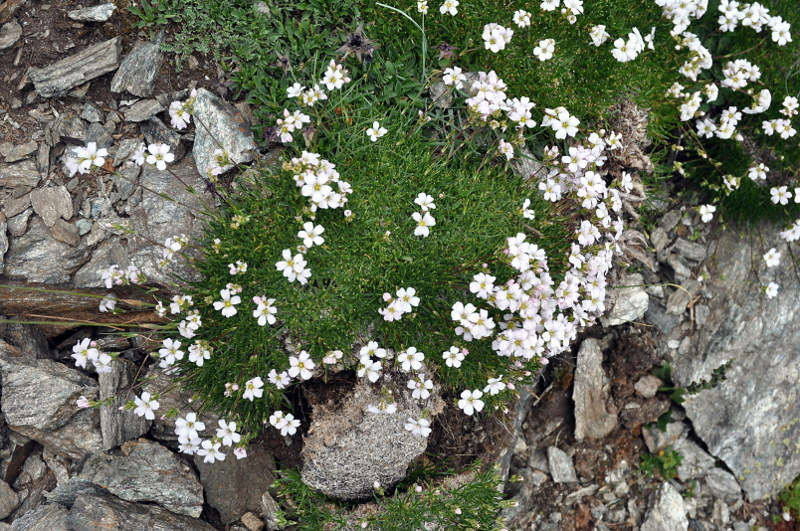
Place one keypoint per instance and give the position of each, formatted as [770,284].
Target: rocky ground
[71,76]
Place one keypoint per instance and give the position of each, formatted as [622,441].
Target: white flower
[771,290]
[376,131]
[83,402]
[780,195]
[228,302]
[453,357]
[302,365]
[279,380]
[422,6]
[372,349]
[159,156]
[210,451]
[189,426]
[411,359]
[425,202]
[103,363]
[545,49]
[421,387]
[227,432]
[470,401]
[507,149]
[178,115]
[772,257]
[199,351]
[418,426]
[145,406]
[295,90]
[522,18]
[449,6]
[453,77]
[424,221]
[369,368]
[265,311]
[495,385]
[253,389]
[599,35]
[707,212]
[85,351]
[311,234]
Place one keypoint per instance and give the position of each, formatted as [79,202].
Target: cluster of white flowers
[754,16]
[629,49]
[681,12]
[172,245]
[114,276]
[495,37]
[545,49]
[423,219]
[405,301]
[561,122]
[85,351]
[522,18]
[699,58]
[290,123]
[319,181]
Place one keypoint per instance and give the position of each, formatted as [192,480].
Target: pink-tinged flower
[159,156]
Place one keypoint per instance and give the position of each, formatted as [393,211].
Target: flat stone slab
[94,61]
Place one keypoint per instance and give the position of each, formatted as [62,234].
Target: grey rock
[51,517]
[138,475]
[98,13]
[90,113]
[234,486]
[84,226]
[538,460]
[138,71]
[127,180]
[656,440]
[20,151]
[590,394]
[560,465]
[721,484]
[43,159]
[525,165]
[441,94]
[3,241]
[92,512]
[269,508]
[701,313]
[221,123]
[659,239]
[667,512]
[252,522]
[118,426]
[65,232]
[747,420]
[52,203]
[629,303]
[10,32]
[142,110]
[680,298]
[92,62]
[669,220]
[647,386]
[657,316]
[156,132]
[696,461]
[347,448]
[22,173]
[679,266]
[19,223]
[96,133]
[71,127]
[692,251]
[28,339]
[17,205]
[8,499]
[52,419]
[124,150]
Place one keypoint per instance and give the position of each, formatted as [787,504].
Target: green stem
[420,28]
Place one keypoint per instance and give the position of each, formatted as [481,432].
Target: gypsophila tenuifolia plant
[468,501]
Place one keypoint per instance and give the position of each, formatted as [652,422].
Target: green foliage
[471,503]
[666,463]
[152,14]
[790,498]
[675,393]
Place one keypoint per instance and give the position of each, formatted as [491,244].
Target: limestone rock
[52,203]
[234,486]
[8,499]
[51,418]
[52,517]
[3,240]
[667,512]
[18,152]
[747,420]
[119,426]
[99,13]
[142,110]
[10,33]
[138,475]
[65,232]
[92,512]
[222,123]
[38,257]
[92,62]
[647,386]
[629,304]
[560,464]
[138,71]
[347,448]
[22,173]
[590,394]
